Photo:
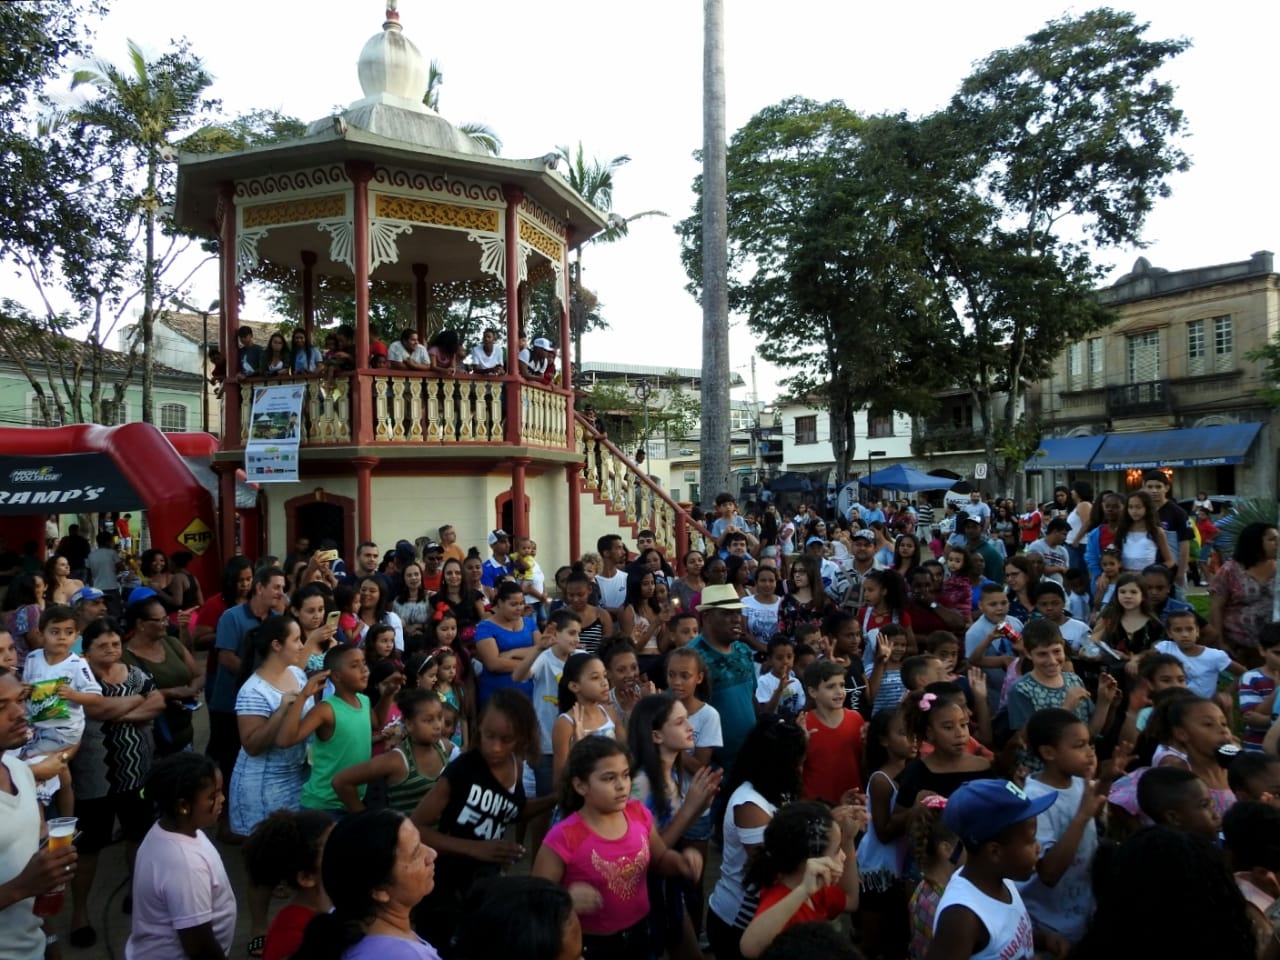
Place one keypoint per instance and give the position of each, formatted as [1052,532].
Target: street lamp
[204,315]
[870,454]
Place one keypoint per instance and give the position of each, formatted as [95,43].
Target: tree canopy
[881,257]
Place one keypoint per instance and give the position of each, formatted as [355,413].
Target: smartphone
[326,556]
[332,619]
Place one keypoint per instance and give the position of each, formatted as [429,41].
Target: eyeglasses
[153,619]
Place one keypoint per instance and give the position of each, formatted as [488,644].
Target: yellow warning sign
[197,537]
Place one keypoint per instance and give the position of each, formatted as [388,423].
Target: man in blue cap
[981,913]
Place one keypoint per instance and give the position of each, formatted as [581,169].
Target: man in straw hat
[730,667]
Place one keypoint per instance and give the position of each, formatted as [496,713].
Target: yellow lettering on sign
[196,537]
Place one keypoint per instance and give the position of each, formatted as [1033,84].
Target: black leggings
[726,941]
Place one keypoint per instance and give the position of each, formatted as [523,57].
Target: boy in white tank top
[980,914]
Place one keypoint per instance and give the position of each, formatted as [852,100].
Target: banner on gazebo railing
[275,430]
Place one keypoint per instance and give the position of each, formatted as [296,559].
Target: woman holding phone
[267,777]
[313,608]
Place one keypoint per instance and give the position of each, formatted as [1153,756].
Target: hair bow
[934,802]
[926,702]
[441,609]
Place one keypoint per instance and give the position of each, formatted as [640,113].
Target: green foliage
[253,129]
[484,136]
[1269,356]
[1245,512]
[1075,122]
[593,181]
[873,254]
[673,410]
[140,113]
[37,39]
[818,264]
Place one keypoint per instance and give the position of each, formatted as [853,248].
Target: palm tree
[141,109]
[594,183]
[480,134]
[714,446]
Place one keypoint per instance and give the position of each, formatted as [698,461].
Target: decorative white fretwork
[558,267]
[382,242]
[493,254]
[342,241]
[522,274]
[247,252]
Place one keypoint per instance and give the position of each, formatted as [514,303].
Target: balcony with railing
[421,410]
[944,438]
[1138,399]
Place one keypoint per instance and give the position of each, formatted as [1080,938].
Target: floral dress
[1246,603]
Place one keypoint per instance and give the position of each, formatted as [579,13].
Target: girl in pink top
[603,851]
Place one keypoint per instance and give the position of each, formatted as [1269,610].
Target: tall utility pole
[714,447]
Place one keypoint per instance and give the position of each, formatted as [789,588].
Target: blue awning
[1198,447]
[1064,453]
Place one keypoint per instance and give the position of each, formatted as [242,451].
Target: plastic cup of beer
[62,833]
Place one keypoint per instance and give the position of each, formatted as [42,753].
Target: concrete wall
[406,508]
[16,398]
[804,456]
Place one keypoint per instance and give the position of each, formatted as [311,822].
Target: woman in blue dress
[503,641]
[266,777]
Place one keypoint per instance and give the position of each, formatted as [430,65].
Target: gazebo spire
[392,21]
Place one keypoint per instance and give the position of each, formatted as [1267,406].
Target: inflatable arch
[80,469]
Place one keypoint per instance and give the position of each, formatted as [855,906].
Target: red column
[420,299]
[364,497]
[519,522]
[682,541]
[362,409]
[572,472]
[230,306]
[308,291]
[566,337]
[226,505]
[514,195]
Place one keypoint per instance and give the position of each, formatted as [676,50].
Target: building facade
[53,360]
[1168,384]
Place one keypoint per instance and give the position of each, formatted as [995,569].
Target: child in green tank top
[410,769]
[343,725]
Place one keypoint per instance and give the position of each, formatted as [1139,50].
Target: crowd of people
[873,735]
[444,354]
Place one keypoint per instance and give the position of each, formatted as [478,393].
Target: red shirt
[284,937]
[924,620]
[1030,524]
[825,904]
[433,583]
[833,761]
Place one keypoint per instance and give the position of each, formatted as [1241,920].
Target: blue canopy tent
[899,477]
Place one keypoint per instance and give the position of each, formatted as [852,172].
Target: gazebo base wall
[412,502]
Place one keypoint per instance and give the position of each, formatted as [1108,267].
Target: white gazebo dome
[393,78]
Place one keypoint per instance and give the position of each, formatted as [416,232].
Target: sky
[626,79]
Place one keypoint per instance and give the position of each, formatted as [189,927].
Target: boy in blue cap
[981,914]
